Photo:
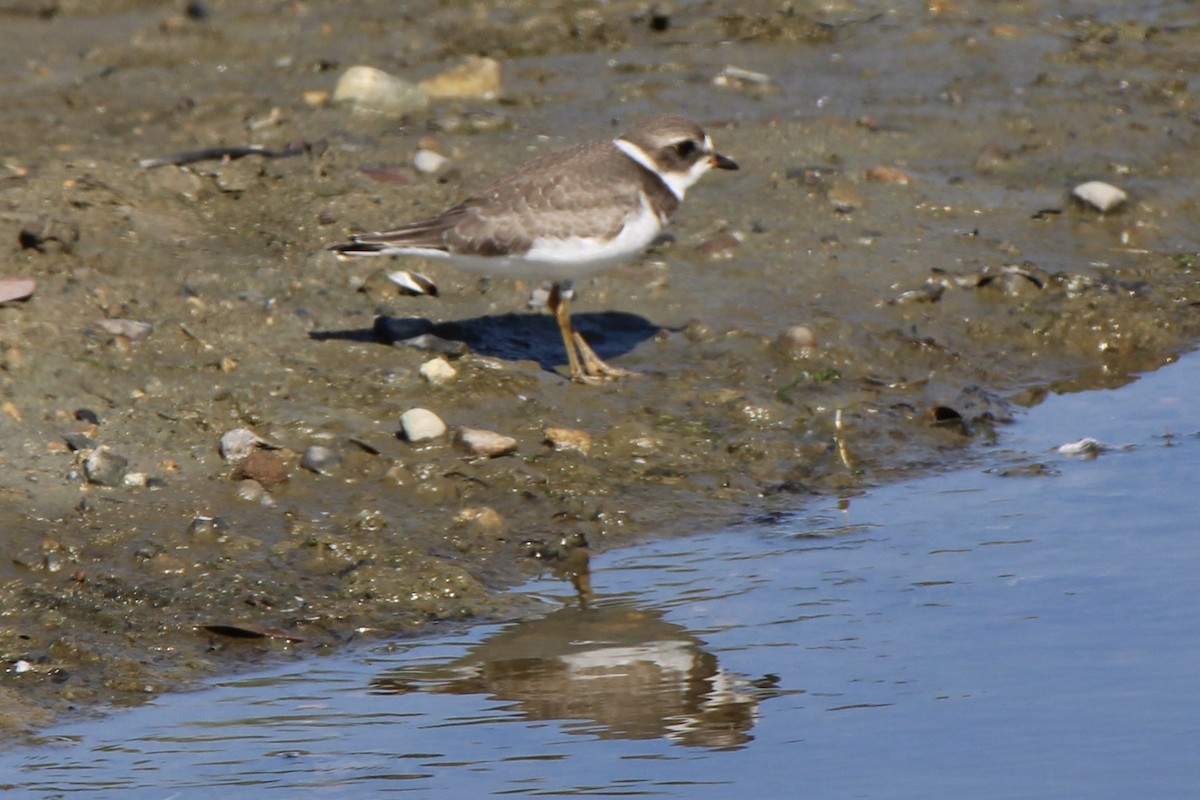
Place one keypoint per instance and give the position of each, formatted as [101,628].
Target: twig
[228,154]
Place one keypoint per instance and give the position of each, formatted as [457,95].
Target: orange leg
[584,364]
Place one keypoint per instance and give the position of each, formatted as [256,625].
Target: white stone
[485,443]
[370,89]
[421,425]
[1103,197]
[429,161]
[438,371]
[238,443]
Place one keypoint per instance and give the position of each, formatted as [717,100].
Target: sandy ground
[903,198]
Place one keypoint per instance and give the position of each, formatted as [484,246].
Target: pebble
[320,459]
[485,518]
[421,425]
[432,343]
[843,196]
[372,90]
[135,479]
[87,415]
[1084,448]
[476,78]
[797,341]
[16,288]
[79,441]
[739,78]
[131,329]
[37,234]
[569,439]
[253,491]
[430,162]
[264,466]
[484,443]
[438,371]
[104,467]
[1103,197]
[472,122]
[721,246]
[882,174]
[239,443]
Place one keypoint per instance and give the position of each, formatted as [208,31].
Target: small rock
[208,526]
[438,371]
[398,329]
[472,122]
[721,246]
[432,343]
[798,341]
[373,90]
[135,479]
[386,173]
[1085,448]
[430,162]
[131,329]
[739,78]
[843,196]
[485,518]
[484,443]
[87,415]
[79,441]
[320,459]
[421,425]
[16,288]
[882,174]
[264,466]
[316,98]
[252,491]
[946,418]
[38,233]
[475,78]
[569,439]
[239,443]
[1103,197]
[104,467]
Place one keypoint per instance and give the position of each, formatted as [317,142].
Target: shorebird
[564,216]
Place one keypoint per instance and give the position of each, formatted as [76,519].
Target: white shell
[1103,197]
[413,282]
[237,443]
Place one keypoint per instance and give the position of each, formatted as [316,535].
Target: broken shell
[413,282]
[1103,197]
[239,442]
[366,88]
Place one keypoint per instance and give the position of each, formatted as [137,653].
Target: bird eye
[685,148]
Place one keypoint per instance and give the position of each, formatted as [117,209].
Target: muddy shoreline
[903,198]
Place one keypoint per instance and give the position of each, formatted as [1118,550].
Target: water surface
[1023,628]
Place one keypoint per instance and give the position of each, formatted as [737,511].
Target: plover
[564,216]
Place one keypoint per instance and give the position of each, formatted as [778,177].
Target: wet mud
[896,268]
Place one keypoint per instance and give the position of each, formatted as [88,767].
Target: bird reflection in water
[626,671]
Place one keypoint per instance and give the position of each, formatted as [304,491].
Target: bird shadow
[512,337]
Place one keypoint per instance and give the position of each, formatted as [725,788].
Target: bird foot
[592,368]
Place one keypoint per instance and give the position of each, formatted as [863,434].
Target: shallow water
[1010,630]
